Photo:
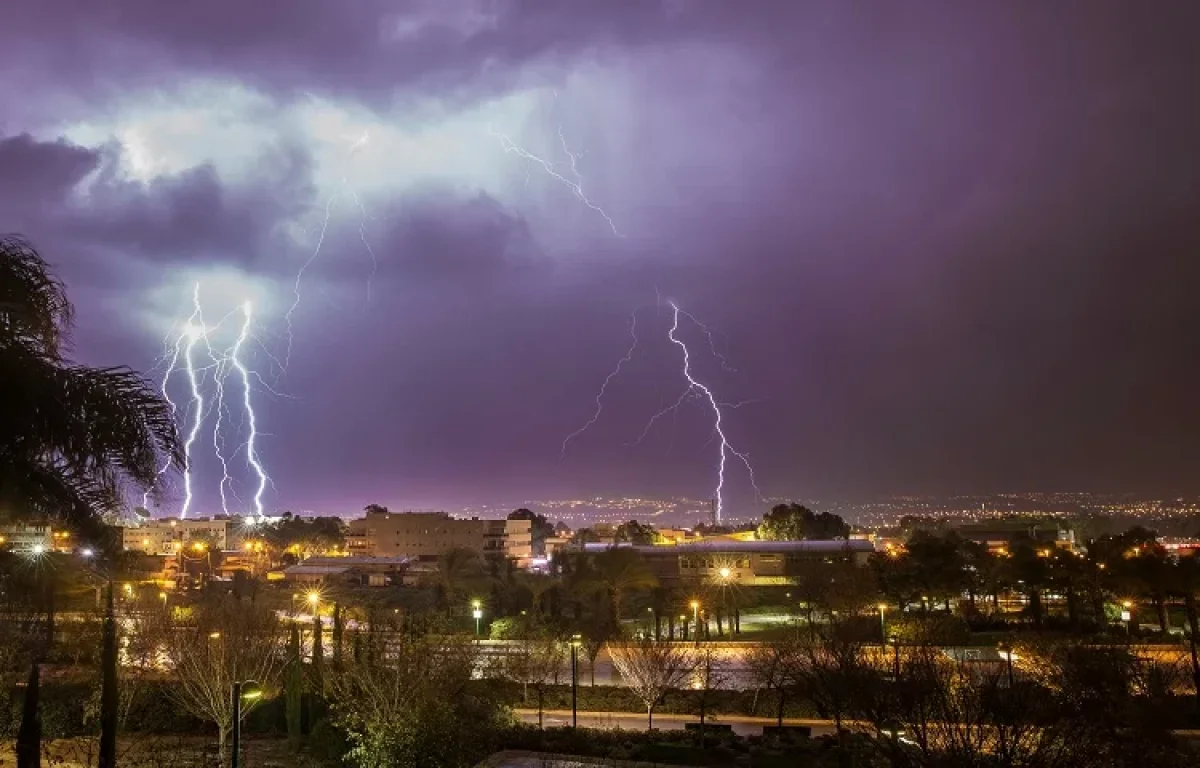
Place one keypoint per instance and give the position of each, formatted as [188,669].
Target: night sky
[942,246]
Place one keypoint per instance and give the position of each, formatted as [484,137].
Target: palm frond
[72,437]
[34,309]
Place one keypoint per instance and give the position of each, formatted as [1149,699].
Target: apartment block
[426,535]
[166,536]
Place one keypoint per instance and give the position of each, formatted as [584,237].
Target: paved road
[630,721]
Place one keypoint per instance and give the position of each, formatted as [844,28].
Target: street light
[895,641]
[1126,614]
[725,573]
[575,642]
[477,614]
[247,690]
[695,606]
[1005,651]
[882,621]
[314,599]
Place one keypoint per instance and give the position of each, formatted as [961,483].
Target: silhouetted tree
[793,522]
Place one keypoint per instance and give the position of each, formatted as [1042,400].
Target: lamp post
[1005,650]
[247,690]
[1127,615]
[574,681]
[477,614]
[695,606]
[895,641]
[882,622]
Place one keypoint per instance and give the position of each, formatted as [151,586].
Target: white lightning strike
[195,366]
[696,386]
[548,166]
[251,453]
[603,387]
[193,331]
[694,390]
[343,188]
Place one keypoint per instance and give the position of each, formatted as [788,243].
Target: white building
[27,538]
[167,536]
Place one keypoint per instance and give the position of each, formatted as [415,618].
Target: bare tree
[708,675]
[535,659]
[774,666]
[652,668]
[227,642]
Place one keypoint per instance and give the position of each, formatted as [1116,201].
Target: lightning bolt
[244,373]
[193,331]
[343,188]
[185,354]
[694,385]
[576,185]
[604,387]
[694,390]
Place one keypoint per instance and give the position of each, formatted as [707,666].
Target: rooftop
[726,545]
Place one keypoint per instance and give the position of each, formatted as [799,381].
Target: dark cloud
[951,245]
[36,174]
[440,234]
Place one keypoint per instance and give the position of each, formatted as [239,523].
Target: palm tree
[73,439]
[458,572]
[618,572]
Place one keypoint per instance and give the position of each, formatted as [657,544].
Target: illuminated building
[426,535]
[744,563]
[166,536]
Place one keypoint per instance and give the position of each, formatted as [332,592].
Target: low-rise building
[427,535]
[744,563]
[365,571]
[27,538]
[168,535]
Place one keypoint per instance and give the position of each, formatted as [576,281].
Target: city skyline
[958,255]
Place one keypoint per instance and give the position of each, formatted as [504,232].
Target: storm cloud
[946,246]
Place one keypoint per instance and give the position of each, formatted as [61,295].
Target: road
[636,721]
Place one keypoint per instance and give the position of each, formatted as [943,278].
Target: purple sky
[945,246]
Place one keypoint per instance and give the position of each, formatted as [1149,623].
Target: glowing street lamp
[250,691]
[1126,614]
[477,614]
[882,621]
[695,606]
[1006,652]
[725,573]
[575,643]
